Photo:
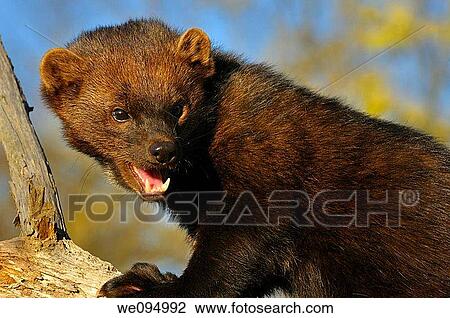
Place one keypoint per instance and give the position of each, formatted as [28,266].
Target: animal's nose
[164,151]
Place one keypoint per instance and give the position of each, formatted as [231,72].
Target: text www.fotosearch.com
[233,308]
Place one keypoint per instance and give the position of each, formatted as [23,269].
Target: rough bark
[31,267]
[43,261]
[32,184]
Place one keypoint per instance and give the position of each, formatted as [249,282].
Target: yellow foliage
[374,93]
[390,25]
[414,116]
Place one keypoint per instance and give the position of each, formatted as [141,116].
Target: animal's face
[128,109]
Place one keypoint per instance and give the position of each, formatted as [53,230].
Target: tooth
[148,187]
[165,186]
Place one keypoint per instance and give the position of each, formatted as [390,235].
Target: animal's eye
[177,110]
[120,115]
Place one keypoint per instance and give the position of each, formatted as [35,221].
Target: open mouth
[153,182]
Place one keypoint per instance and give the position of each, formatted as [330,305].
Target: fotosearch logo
[327,208]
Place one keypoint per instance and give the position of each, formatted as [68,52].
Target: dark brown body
[251,129]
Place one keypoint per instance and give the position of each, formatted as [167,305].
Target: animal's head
[126,93]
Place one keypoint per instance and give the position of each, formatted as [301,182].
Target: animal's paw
[135,282]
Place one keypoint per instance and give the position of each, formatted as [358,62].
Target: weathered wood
[53,268]
[32,184]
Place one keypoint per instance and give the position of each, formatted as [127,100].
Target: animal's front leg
[227,262]
[135,282]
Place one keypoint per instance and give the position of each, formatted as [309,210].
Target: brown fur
[247,127]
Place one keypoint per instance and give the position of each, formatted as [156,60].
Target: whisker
[86,175]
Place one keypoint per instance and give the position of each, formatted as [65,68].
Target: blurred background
[387,58]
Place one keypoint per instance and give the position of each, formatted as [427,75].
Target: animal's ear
[195,47]
[60,68]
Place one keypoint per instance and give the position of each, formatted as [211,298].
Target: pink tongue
[151,180]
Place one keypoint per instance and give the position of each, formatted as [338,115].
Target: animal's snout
[164,151]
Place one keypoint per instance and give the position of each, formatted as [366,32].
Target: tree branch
[32,184]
